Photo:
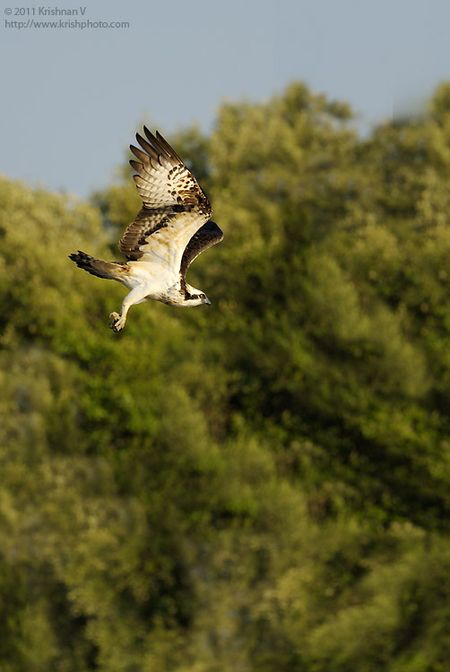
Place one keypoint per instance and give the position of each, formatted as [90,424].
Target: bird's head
[200,299]
[205,299]
[196,298]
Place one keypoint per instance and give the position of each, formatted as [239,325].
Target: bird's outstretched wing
[174,205]
[207,236]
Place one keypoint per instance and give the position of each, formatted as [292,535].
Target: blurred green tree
[262,486]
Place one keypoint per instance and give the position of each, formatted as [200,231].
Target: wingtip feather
[149,134]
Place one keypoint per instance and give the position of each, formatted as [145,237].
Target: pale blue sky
[72,99]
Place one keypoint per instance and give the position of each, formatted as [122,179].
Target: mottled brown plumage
[167,189]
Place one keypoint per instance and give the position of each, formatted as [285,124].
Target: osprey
[172,228]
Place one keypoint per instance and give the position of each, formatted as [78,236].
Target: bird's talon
[116,323]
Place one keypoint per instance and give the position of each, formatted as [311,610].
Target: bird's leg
[137,295]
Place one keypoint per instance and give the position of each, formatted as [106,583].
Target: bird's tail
[111,270]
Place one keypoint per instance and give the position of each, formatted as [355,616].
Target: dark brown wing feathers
[139,154]
[207,236]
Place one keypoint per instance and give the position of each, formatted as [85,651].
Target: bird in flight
[172,228]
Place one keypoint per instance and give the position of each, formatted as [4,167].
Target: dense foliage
[261,485]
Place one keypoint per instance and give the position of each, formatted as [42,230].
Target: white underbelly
[155,278]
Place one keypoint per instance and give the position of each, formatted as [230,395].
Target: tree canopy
[262,485]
